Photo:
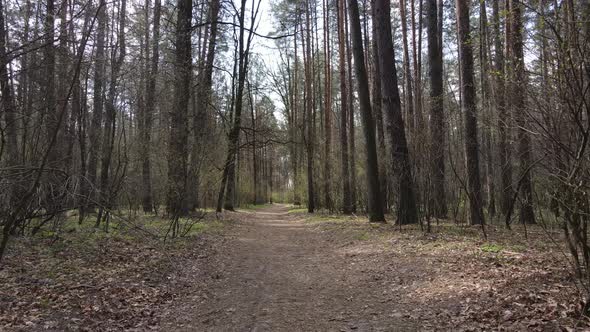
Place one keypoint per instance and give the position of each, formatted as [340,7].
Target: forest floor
[279,269]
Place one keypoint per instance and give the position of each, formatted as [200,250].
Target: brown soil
[271,270]
[278,271]
[278,274]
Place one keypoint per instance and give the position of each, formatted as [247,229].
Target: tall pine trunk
[346,193]
[469,109]
[327,110]
[95,131]
[517,86]
[375,204]
[406,208]
[504,155]
[147,200]
[177,154]
[437,126]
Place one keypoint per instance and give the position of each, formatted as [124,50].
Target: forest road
[277,273]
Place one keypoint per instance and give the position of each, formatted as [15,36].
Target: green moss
[362,236]
[491,247]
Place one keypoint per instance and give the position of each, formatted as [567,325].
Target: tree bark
[177,154]
[407,70]
[517,83]
[469,109]
[375,205]
[504,155]
[346,194]
[9,111]
[437,126]
[484,50]
[95,131]
[378,111]
[106,190]
[390,99]
[309,123]
[228,176]
[147,200]
[351,125]
[202,125]
[327,110]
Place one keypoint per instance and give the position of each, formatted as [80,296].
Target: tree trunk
[437,126]
[469,109]
[351,126]
[485,97]
[517,86]
[201,120]
[406,209]
[407,70]
[228,176]
[377,110]
[147,200]
[108,145]
[503,129]
[327,111]
[375,205]
[49,86]
[419,123]
[95,130]
[346,194]
[177,155]
[309,125]
[9,111]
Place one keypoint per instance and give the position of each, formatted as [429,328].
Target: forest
[234,164]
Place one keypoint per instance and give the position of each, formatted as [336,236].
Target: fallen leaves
[114,283]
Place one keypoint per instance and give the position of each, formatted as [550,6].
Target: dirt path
[270,270]
[279,274]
